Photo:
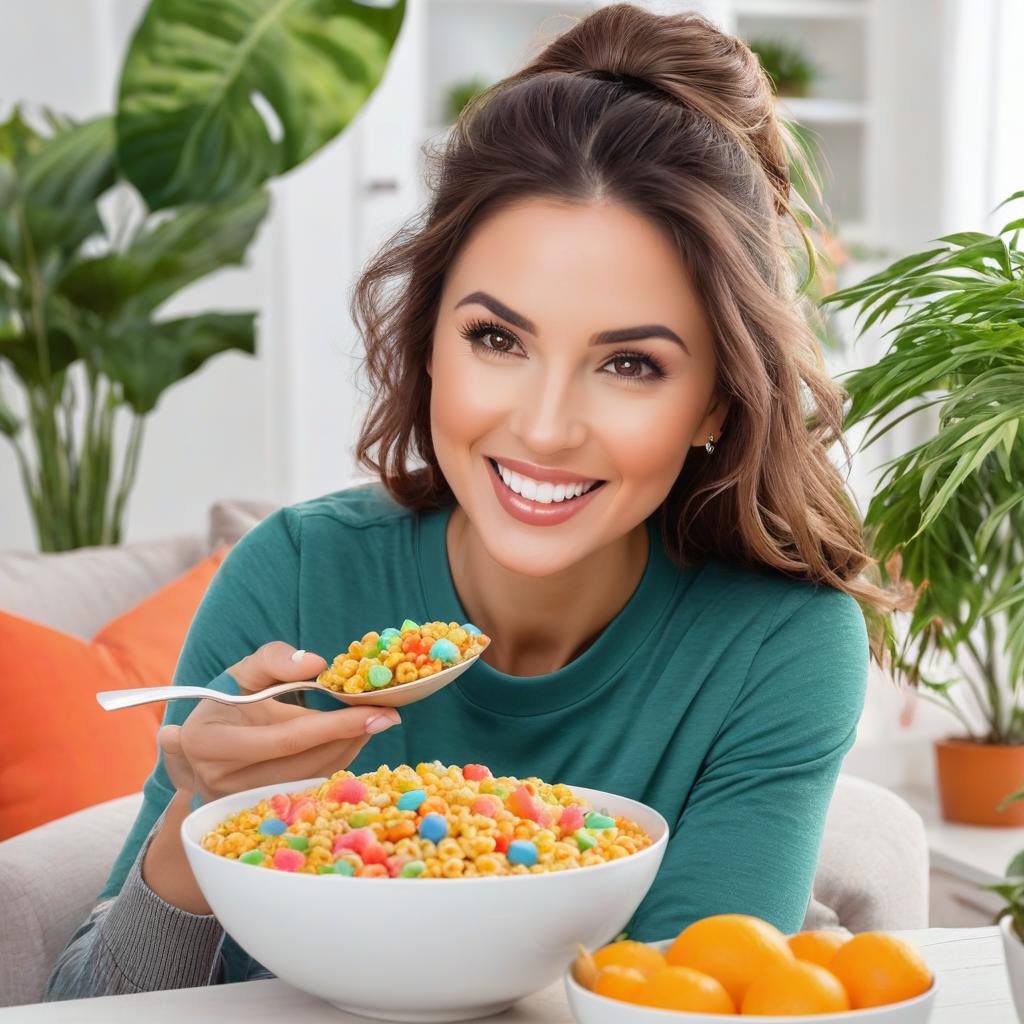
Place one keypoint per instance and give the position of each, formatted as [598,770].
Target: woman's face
[521,375]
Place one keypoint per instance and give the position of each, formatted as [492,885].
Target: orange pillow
[59,750]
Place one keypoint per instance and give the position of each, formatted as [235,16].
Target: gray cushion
[49,879]
[78,592]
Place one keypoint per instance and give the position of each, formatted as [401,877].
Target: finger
[248,744]
[168,738]
[312,764]
[275,662]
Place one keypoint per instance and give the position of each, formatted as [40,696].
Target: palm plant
[948,515]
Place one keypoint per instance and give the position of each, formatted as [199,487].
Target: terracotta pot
[974,777]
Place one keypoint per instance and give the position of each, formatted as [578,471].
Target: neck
[540,624]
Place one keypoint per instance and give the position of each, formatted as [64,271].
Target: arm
[137,941]
[750,833]
[251,600]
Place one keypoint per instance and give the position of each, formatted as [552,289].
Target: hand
[224,748]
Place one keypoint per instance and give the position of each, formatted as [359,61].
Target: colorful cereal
[395,656]
[431,821]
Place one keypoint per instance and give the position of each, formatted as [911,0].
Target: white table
[968,961]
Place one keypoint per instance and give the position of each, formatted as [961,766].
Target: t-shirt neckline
[623,638]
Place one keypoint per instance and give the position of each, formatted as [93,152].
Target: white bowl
[1013,949]
[590,1008]
[420,949]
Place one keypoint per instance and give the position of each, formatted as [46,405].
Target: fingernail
[378,723]
[298,655]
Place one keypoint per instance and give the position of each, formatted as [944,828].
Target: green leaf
[188,127]
[10,424]
[147,358]
[51,207]
[195,241]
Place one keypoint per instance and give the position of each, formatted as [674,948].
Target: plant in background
[948,515]
[71,293]
[214,100]
[792,72]
[459,94]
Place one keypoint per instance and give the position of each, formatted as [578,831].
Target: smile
[540,502]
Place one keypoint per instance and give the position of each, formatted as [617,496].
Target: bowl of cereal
[426,893]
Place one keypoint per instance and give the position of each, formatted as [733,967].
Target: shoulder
[279,535]
[361,505]
[804,637]
[784,603]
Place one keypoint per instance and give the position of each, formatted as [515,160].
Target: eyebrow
[601,338]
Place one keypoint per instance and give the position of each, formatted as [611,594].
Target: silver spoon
[396,696]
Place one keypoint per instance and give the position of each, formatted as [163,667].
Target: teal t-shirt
[722,696]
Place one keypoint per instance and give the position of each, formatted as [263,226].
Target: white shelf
[976,853]
[819,110]
[800,8]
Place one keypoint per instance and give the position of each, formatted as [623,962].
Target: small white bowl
[420,949]
[590,1008]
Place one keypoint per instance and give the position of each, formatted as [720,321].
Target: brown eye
[508,343]
[630,367]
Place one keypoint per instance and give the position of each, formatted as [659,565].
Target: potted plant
[948,515]
[792,72]
[198,131]
[1011,921]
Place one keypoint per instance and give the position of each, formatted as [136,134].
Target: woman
[597,357]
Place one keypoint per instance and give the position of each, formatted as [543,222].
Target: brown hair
[673,118]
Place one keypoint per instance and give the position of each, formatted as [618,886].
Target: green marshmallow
[585,840]
[409,624]
[298,842]
[379,676]
[252,857]
[359,819]
[599,821]
[413,869]
[342,867]
[385,638]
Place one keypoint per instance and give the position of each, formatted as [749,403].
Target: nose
[549,414]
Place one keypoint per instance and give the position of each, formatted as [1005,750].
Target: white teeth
[543,492]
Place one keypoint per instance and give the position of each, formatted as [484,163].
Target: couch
[872,871]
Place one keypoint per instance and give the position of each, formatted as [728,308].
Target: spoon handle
[113,700]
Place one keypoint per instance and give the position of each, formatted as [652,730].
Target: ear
[713,423]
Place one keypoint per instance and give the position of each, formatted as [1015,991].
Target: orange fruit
[876,969]
[816,947]
[646,959]
[617,982]
[733,948]
[795,988]
[680,988]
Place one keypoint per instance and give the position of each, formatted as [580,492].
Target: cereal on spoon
[395,656]
[430,821]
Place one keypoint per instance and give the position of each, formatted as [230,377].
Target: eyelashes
[475,331]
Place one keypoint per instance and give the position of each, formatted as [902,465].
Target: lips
[535,513]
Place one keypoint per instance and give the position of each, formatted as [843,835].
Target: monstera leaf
[216,98]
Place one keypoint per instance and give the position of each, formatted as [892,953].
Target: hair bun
[684,57]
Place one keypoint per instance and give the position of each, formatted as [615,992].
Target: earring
[708,445]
